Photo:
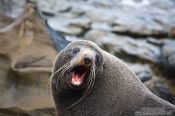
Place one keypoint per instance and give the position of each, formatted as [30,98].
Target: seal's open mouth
[79,74]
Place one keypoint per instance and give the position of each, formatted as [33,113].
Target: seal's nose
[87,59]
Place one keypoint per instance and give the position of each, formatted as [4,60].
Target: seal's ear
[100,60]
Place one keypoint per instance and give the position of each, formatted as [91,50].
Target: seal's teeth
[76,82]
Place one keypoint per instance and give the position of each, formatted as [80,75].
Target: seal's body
[116,90]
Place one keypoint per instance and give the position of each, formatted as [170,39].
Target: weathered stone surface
[18,112]
[168,56]
[12,112]
[121,45]
[144,72]
[4,70]
[12,8]
[69,26]
[43,112]
[25,67]
[121,16]
[11,14]
[161,89]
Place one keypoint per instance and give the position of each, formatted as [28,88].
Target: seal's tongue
[77,79]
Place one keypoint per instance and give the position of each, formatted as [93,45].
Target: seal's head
[76,66]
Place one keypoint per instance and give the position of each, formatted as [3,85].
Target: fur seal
[88,81]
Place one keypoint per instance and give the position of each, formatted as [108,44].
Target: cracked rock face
[144,72]
[12,8]
[132,17]
[168,54]
[120,45]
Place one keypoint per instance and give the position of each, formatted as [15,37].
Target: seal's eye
[75,50]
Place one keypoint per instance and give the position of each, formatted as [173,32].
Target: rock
[58,38]
[69,26]
[135,3]
[164,91]
[142,71]
[4,70]
[26,69]
[44,112]
[168,56]
[101,3]
[101,26]
[133,18]
[11,14]
[19,112]
[125,46]
[156,42]
[12,112]
[5,20]
[12,8]
[172,32]
[161,89]
[157,86]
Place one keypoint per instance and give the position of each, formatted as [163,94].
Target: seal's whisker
[89,82]
[93,77]
[89,78]
[64,66]
[62,74]
[70,68]
[61,68]
[88,88]
[52,76]
[92,82]
[84,95]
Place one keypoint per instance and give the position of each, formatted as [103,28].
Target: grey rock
[121,16]
[59,40]
[101,26]
[156,42]
[162,90]
[168,56]
[120,45]
[4,69]
[12,8]
[69,26]
[142,71]
[11,14]
[136,3]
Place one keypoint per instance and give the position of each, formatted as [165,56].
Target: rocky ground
[140,32]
